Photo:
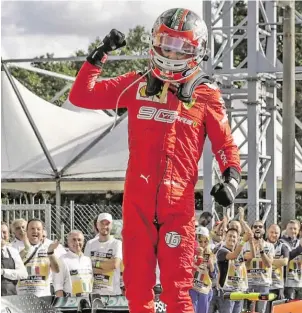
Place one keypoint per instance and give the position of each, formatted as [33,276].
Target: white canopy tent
[25,166]
[72,147]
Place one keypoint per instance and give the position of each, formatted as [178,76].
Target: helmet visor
[176,44]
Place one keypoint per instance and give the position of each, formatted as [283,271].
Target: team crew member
[106,255]
[232,270]
[280,260]
[39,260]
[293,283]
[201,294]
[171,110]
[18,229]
[12,267]
[75,277]
[259,263]
[279,263]
[294,271]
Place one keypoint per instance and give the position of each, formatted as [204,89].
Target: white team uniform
[108,283]
[75,276]
[39,272]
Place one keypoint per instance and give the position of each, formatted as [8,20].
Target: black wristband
[230,173]
[98,57]
[50,253]
[262,252]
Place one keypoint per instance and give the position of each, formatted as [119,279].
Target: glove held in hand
[114,40]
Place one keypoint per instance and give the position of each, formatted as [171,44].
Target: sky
[34,28]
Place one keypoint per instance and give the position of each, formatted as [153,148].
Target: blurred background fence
[60,220]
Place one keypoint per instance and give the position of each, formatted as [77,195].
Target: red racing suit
[165,144]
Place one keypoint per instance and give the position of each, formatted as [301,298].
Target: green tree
[42,85]
[47,87]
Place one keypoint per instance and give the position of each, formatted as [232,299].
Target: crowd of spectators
[229,256]
[31,263]
[236,257]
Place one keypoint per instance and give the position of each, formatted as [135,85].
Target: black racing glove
[114,40]
[225,193]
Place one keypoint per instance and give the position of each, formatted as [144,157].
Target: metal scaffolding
[249,88]
[257,74]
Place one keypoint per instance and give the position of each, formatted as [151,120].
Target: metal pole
[208,174]
[62,234]
[58,208]
[228,20]
[208,177]
[288,129]
[76,59]
[31,121]
[71,215]
[48,220]
[271,133]
[253,112]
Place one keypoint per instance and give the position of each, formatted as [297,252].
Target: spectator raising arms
[232,269]
[259,255]
[40,259]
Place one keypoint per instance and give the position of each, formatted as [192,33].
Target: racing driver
[172,107]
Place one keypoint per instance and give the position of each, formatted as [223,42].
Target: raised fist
[114,40]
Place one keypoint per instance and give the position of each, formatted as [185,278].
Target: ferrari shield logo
[141,94]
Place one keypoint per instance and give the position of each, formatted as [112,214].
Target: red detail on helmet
[176,54]
[182,20]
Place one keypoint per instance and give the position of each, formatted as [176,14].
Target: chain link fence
[81,217]
[10,212]
[60,220]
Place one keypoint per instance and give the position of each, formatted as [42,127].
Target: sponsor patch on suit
[141,94]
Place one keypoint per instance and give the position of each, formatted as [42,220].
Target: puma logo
[145,178]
